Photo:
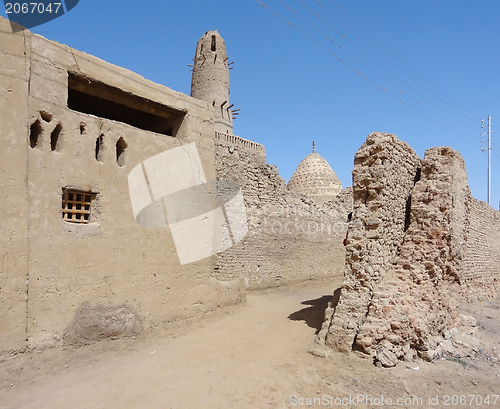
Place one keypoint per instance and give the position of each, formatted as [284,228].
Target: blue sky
[292,90]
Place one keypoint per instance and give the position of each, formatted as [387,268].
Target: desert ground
[253,355]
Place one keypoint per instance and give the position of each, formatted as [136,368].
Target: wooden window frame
[77,206]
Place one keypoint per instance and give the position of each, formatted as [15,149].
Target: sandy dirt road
[249,356]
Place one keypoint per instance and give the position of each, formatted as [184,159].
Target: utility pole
[489,156]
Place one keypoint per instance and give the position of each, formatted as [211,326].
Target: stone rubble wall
[418,300]
[291,237]
[383,177]
[441,248]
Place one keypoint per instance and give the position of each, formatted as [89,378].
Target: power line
[376,62]
[494,151]
[390,62]
[407,66]
[495,154]
[496,167]
[359,73]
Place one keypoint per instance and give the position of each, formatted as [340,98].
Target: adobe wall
[112,261]
[410,303]
[14,82]
[481,260]
[291,237]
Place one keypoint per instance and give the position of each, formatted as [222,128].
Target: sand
[253,355]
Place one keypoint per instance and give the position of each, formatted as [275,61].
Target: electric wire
[407,66]
[380,65]
[495,156]
[494,150]
[390,62]
[361,74]
[497,168]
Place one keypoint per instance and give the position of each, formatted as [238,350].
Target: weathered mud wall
[50,141]
[480,264]
[14,82]
[291,237]
[441,249]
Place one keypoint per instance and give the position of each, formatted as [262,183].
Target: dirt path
[249,356]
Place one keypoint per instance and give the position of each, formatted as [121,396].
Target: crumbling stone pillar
[383,177]
[417,304]
[407,248]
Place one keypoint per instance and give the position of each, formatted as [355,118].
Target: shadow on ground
[315,314]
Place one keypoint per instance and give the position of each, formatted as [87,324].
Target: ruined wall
[410,303]
[291,238]
[49,145]
[418,300]
[383,177]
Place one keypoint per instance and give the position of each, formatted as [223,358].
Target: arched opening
[121,147]
[99,148]
[35,132]
[55,143]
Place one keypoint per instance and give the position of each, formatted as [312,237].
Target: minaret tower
[210,80]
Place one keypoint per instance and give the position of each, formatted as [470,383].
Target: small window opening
[46,116]
[121,147]
[212,47]
[99,148]
[35,132]
[201,49]
[82,128]
[77,206]
[407,214]
[54,138]
[96,98]
[418,175]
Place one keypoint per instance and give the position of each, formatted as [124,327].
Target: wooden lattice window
[77,205]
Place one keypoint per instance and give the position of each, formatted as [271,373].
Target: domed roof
[315,177]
